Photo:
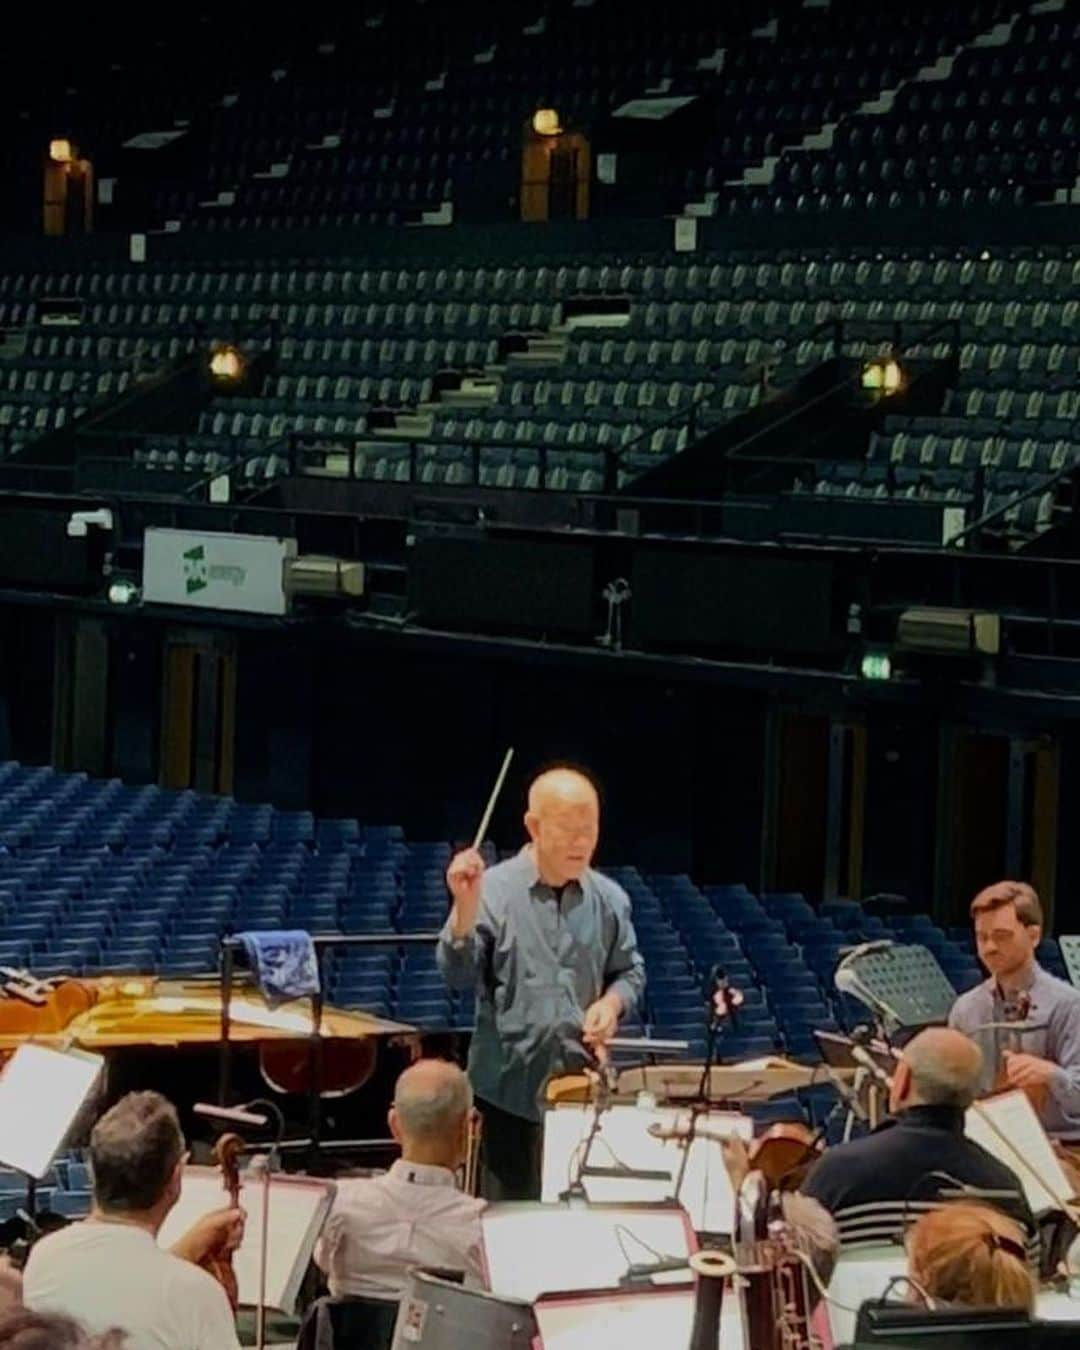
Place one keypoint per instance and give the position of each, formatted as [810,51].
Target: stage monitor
[881,1326]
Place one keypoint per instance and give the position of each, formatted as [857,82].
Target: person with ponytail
[972,1256]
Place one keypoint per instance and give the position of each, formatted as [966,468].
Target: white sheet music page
[1006,1126]
[42,1092]
[624,1141]
[543,1249]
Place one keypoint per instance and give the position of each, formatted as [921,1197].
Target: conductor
[550,948]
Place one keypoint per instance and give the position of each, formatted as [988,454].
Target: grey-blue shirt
[537,960]
[1055,1007]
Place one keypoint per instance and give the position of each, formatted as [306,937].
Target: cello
[219,1262]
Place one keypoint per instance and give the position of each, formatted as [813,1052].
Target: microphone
[861,1036]
[723,1001]
[232,1115]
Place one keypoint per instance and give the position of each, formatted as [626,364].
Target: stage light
[61,150]
[876,666]
[227,363]
[884,376]
[546,122]
[123,592]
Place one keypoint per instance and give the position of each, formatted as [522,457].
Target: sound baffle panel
[497,584]
[687,600]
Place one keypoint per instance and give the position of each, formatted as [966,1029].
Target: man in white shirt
[413,1215]
[108,1271]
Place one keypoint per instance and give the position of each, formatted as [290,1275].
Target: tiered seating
[365,346]
[416,109]
[997,125]
[65,1190]
[1010,421]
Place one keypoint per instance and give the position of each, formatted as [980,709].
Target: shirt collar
[421,1174]
[949,1118]
[1035,978]
[531,873]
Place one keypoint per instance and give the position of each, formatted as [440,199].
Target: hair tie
[997,1242]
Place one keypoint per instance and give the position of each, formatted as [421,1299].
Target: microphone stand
[267,1164]
[576,1188]
[700,1104]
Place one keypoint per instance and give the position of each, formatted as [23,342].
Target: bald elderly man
[548,944]
[415,1214]
[874,1186]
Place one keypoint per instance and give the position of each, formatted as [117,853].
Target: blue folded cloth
[284,963]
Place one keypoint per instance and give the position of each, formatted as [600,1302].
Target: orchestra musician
[968,1255]
[1008,923]
[414,1215]
[549,945]
[875,1185]
[21,1329]
[108,1271]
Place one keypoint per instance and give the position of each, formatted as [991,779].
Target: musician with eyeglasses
[1042,1057]
[415,1214]
[548,944]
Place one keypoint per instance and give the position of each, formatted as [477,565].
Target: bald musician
[414,1215]
[1008,923]
[874,1186]
[108,1271]
[550,948]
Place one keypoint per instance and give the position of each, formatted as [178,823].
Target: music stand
[42,1094]
[1070,954]
[850,1078]
[903,986]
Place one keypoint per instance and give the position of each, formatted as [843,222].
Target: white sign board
[216,571]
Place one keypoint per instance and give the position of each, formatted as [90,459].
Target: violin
[783,1154]
[219,1263]
[1018,1010]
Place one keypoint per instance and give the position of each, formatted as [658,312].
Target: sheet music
[240,1010]
[624,1138]
[656,1319]
[1030,1152]
[298,1210]
[541,1249]
[42,1092]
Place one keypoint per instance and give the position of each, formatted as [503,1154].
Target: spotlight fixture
[546,122]
[227,363]
[123,592]
[61,151]
[883,376]
[876,666]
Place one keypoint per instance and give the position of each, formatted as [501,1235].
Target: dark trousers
[511,1149]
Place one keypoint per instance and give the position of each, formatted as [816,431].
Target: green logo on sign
[196,570]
